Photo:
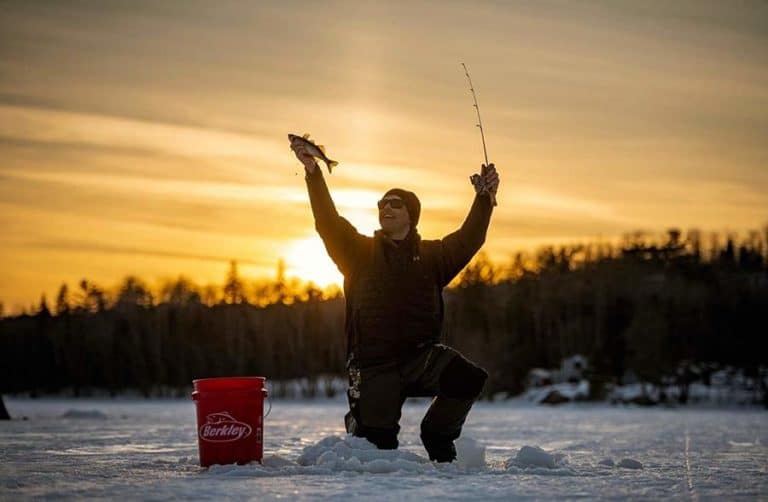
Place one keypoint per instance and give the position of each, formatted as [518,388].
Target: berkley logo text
[222,427]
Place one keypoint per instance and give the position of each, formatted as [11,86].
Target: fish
[317,151]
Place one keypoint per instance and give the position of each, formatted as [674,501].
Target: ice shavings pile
[357,454]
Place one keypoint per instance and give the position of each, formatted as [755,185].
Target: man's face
[393,215]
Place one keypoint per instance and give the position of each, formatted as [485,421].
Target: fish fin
[331,165]
[321,148]
[306,135]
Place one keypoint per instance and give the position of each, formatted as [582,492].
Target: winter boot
[439,449]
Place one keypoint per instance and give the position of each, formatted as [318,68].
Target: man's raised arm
[459,247]
[338,235]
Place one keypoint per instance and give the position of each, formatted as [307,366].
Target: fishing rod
[477,109]
[476,179]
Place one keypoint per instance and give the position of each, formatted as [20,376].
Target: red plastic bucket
[230,418]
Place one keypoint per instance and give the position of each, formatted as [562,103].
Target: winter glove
[487,182]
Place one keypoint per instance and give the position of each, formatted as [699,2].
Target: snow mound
[608,462]
[532,459]
[470,453]
[84,414]
[358,455]
[629,463]
[626,463]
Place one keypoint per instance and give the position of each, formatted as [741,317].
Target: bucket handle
[269,398]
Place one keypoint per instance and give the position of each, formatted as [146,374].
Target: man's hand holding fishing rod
[393,288]
[489,181]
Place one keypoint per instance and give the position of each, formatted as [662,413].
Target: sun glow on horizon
[308,260]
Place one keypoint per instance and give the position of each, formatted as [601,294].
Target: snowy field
[148,450]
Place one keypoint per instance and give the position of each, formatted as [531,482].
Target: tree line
[649,305]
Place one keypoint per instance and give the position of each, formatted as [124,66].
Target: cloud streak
[80,246]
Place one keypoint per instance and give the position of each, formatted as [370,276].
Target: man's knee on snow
[384,439]
[462,379]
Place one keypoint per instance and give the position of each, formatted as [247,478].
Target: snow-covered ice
[148,450]
[89,414]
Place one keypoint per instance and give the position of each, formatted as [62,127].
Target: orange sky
[149,138]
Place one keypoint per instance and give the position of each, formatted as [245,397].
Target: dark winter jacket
[393,290]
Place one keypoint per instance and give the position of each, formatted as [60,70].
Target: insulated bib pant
[377,392]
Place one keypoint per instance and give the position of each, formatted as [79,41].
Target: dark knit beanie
[412,203]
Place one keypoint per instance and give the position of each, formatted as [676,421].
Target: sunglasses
[393,203]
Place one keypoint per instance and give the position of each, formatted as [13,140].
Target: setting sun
[308,260]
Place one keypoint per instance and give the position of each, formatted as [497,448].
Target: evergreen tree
[43,311]
[234,292]
[133,292]
[62,300]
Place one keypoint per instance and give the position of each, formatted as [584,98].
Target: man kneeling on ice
[393,284]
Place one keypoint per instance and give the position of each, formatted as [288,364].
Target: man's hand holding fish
[301,153]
